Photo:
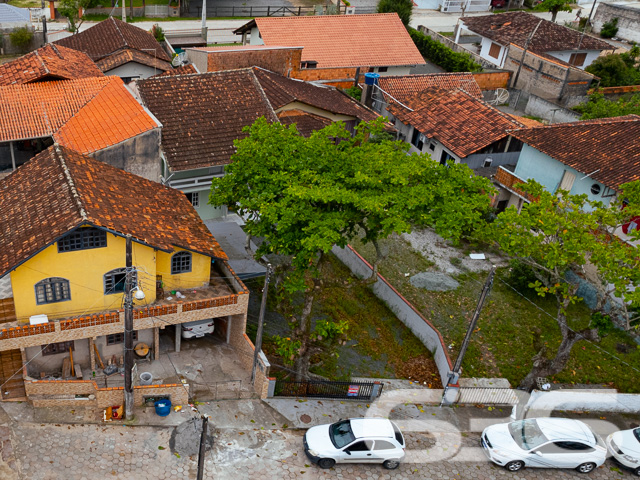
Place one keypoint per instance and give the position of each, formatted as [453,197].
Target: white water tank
[38,319]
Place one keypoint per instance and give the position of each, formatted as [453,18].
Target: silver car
[197,329]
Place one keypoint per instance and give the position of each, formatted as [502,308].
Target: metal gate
[317,389]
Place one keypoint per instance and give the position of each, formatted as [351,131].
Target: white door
[567,181]
[360,451]
[385,450]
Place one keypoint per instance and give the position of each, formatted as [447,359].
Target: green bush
[442,55]
[158,32]
[610,28]
[21,38]
[521,276]
[355,92]
[599,107]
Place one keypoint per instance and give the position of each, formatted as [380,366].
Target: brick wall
[285,61]
[61,393]
[347,75]
[492,80]
[246,350]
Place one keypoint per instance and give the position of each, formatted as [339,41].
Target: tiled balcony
[510,181]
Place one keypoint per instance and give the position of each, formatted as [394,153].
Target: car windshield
[340,434]
[527,434]
[636,433]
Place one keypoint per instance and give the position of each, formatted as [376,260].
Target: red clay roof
[342,40]
[130,55]
[87,114]
[183,70]
[305,122]
[203,114]
[515,27]
[110,36]
[51,62]
[608,148]
[403,87]
[459,121]
[60,189]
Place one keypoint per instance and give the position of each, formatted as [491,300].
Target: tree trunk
[554,14]
[303,331]
[544,367]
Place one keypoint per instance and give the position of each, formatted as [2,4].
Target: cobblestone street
[77,452]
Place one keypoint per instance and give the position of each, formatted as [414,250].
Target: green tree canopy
[303,195]
[554,6]
[617,69]
[404,9]
[561,233]
[599,107]
[70,9]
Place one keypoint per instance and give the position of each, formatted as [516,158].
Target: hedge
[442,55]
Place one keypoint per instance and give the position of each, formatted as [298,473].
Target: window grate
[180,263]
[83,239]
[52,290]
[114,281]
[117,338]
[55,348]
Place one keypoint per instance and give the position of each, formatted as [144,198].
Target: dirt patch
[434,281]
[446,257]
[422,369]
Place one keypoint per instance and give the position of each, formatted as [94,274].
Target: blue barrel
[163,407]
[371,78]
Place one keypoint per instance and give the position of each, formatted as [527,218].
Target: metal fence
[340,390]
[487,396]
[277,11]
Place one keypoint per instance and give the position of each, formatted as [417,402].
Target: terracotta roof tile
[281,91]
[515,27]
[110,36]
[343,40]
[130,55]
[527,122]
[38,206]
[403,87]
[607,148]
[183,70]
[52,62]
[305,122]
[459,121]
[203,114]
[88,114]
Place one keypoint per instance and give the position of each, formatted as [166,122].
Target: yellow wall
[197,277]
[85,271]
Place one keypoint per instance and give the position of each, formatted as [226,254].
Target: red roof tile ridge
[117,27]
[72,186]
[263,95]
[322,17]
[594,121]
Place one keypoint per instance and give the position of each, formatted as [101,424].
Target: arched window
[115,279]
[52,290]
[180,262]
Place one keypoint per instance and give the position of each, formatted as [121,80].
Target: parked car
[357,440]
[544,443]
[197,329]
[625,448]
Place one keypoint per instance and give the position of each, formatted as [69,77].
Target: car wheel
[514,466]
[391,464]
[586,467]
[637,472]
[326,462]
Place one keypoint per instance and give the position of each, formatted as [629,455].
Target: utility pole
[586,24]
[130,8]
[455,372]
[124,10]
[263,307]
[128,332]
[203,442]
[524,52]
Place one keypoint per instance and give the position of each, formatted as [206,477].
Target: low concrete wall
[628,20]
[585,400]
[406,313]
[549,111]
[8,48]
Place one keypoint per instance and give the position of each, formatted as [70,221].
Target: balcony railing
[510,181]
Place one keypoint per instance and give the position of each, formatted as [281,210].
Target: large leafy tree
[302,196]
[561,233]
[554,6]
[404,9]
[617,69]
[600,107]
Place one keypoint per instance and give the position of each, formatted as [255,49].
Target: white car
[197,329]
[544,443]
[625,448]
[358,440]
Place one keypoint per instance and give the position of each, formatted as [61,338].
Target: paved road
[75,452]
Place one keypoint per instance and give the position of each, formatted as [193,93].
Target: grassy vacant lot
[379,344]
[511,329]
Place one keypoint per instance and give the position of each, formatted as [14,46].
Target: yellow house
[64,219]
